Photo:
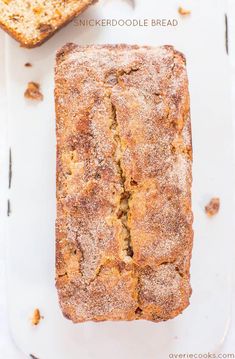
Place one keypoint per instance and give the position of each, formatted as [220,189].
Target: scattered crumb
[131,3]
[183,11]
[212,207]
[33,92]
[36,317]
[28,64]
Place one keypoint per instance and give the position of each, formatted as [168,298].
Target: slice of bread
[31,22]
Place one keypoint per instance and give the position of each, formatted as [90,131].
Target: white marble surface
[7,347]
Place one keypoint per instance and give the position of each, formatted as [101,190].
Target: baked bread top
[124,153]
[31,22]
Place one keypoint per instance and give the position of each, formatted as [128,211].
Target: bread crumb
[36,317]
[183,11]
[130,2]
[33,92]
[212,207]
[28,64]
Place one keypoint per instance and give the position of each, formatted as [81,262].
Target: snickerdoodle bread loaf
[124,220]
[31,22]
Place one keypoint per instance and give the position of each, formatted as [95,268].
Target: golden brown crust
[124,153]
[46,32]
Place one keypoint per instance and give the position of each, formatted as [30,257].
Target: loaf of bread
[124,154]
[31,22]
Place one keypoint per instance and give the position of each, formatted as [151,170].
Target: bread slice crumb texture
[32,22]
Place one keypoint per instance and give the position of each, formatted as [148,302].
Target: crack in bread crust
[123,210]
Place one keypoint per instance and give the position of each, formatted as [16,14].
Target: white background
[7,348]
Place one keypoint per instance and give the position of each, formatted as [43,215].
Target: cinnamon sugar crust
[124,153]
